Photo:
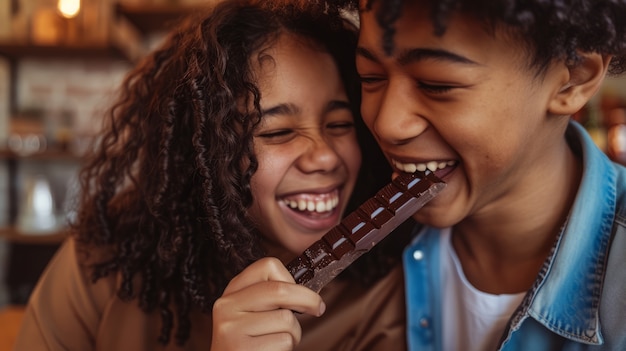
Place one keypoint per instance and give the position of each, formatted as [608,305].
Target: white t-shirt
[472,320]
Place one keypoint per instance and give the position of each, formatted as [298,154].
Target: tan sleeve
[64,310]
[358,318]
[383,322]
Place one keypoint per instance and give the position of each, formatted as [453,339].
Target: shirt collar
[566,297]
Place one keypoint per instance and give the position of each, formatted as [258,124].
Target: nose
[399,119]
[319,155]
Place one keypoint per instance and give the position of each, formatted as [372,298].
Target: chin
[432,219]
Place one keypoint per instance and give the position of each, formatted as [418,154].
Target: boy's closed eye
[370,82]
[371,79]
[434,88]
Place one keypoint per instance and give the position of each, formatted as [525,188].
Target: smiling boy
[525,248]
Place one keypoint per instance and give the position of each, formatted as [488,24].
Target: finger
[264,323]
[278,328]
[270,342]
[274,342]
[271,295]
[265,269]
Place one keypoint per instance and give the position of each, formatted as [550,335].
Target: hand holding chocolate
[364,228]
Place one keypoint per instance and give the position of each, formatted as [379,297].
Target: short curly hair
[164,194]
[553,29]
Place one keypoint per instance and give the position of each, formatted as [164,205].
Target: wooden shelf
[16,50]
[13,235]
[158,18]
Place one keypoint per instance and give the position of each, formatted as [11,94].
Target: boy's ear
[584,81]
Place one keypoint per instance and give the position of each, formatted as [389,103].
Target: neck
[503,247]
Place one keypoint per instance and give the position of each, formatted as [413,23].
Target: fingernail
[322,308]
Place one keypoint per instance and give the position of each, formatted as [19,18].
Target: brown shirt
[67,312]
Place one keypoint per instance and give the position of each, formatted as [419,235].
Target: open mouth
[440,168]
[312,204]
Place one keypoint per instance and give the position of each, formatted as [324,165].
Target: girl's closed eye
[341,128]
[277,136]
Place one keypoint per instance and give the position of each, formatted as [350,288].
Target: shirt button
[424,323]
[418,255]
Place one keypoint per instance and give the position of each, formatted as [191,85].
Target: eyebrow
[337,105]
[281,109]
[291,109]
[409,56]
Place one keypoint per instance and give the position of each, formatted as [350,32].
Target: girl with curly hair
[236,140]
[525,248]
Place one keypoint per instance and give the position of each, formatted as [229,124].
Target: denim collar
[566,295]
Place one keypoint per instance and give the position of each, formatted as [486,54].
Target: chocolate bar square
[338,242]
[392,197]
[300,269]
[359,225]
[378,214]
[319,254]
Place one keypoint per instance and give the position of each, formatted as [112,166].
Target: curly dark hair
[552,29]
[164,193]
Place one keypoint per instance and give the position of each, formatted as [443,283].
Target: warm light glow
[69,8]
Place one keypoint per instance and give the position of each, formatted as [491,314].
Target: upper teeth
[422,167]
[317,205]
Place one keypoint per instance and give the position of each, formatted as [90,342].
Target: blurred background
[60,63]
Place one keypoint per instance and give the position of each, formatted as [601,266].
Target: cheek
[350,153]
[273,161]
[269,173]
[262,188]
[369,109]
[489,155]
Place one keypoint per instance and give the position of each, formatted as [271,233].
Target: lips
[440,167]
[317,203]
[312,212]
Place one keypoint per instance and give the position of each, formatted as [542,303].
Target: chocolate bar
[364,228]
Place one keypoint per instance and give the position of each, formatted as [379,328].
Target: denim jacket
[578,301]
